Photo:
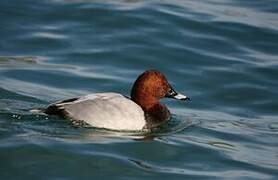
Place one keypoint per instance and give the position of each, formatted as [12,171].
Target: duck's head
[150,87]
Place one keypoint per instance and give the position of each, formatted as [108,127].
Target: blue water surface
[221,53]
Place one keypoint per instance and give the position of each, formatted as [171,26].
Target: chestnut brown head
[151,86]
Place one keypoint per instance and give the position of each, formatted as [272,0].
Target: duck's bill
[181,97]
[173,94]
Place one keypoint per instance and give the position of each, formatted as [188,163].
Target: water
[223,54]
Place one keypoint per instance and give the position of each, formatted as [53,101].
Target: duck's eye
[171,93]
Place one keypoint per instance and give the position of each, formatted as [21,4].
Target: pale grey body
[104,110]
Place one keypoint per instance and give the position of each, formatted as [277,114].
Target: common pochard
[117,112]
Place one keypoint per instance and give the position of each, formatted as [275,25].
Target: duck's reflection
[96,135]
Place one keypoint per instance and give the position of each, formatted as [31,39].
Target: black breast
[157,115]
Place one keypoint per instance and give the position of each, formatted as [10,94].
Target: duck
[114,111]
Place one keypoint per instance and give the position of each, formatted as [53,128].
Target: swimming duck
[117,112]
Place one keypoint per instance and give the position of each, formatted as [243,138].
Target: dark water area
[223,54]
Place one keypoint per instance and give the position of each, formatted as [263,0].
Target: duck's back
[102,110]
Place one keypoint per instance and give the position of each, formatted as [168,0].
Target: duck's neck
[155,112]
[145,102]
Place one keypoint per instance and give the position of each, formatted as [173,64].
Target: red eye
[171,92]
